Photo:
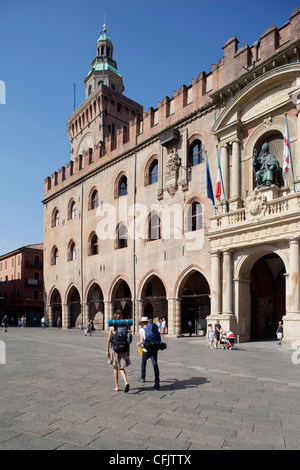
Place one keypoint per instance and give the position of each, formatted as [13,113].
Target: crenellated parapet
[235,70]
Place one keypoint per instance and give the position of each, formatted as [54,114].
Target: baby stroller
[228,340]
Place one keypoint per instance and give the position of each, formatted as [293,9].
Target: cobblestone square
[56,394]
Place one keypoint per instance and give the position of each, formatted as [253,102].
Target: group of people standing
[121,360]
[214,334]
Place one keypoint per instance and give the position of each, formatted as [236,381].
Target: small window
[94,245]
[196,153]
[153,172]
[123,186]
[55,218]
[154,230]
[122,236]
[54,257]
[73,210]
[72,252]
[194,217]
[94,199]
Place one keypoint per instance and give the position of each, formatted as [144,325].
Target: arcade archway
[154,299]
[95,306]
[267,290]
[55,307]
[121,298]
[74,307]
[194,294]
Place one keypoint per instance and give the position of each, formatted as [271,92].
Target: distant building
[128,222]
[21,283]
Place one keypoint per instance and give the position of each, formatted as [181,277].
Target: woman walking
[119,360]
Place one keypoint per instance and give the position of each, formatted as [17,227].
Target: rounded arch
[73,301]
[154,297]
[260,292]
[121,183]
[72,208]
[93,198]
[93,244]
[95,305]
[246,262]
[121,296]
[193,291]
[55,310]
[147,277]
[150,172]
[55,217]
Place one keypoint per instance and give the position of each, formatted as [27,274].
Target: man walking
[145,324]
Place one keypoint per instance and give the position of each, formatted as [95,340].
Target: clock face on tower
[86,143]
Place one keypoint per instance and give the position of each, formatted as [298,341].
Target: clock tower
[103,68]
[106,112]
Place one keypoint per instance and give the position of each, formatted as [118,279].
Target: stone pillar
[227,283]
[139,313]
[174,317]
[291,321]
[216,289]
[66,316]
[85,314]
[50,315]
[108,313]
[236,170]
[294,273]
[225,169]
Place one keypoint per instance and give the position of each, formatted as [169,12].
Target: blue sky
[46,47]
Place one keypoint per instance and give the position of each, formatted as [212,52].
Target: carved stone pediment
[256,206]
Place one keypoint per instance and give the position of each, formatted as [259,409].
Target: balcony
[261,219]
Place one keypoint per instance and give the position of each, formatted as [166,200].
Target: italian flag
[286,154]
[218,186]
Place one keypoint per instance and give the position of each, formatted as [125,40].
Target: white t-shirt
[142,332]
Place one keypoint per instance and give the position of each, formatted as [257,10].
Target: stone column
[66,316]
[108,313]
[225,169]
[291,321]
[49,315]
[236,171]
[294,273]
[174,316]
[216,289]
[227,283]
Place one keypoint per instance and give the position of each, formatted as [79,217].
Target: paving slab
[56,394]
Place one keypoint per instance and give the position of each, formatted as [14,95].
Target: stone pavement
[56,393]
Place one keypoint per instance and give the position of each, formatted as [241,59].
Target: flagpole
[225,200]
[208,174]
[288,137]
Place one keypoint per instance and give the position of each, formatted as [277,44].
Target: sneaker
[140,379]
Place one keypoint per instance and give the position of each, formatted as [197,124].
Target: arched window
[121,236]
[122,186]
[196,153]
[90,90]
[194,217]
[94,199]
[93,248]
[154,229]
[153,172]
[54,256]
[72,209]
[72,251]
[55,218]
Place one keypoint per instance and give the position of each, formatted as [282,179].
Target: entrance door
[267,296]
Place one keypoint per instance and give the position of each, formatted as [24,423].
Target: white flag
[286,167]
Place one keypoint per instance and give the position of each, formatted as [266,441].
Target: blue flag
[209,189]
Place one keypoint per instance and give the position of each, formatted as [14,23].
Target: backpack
[152,337]
[120,339]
